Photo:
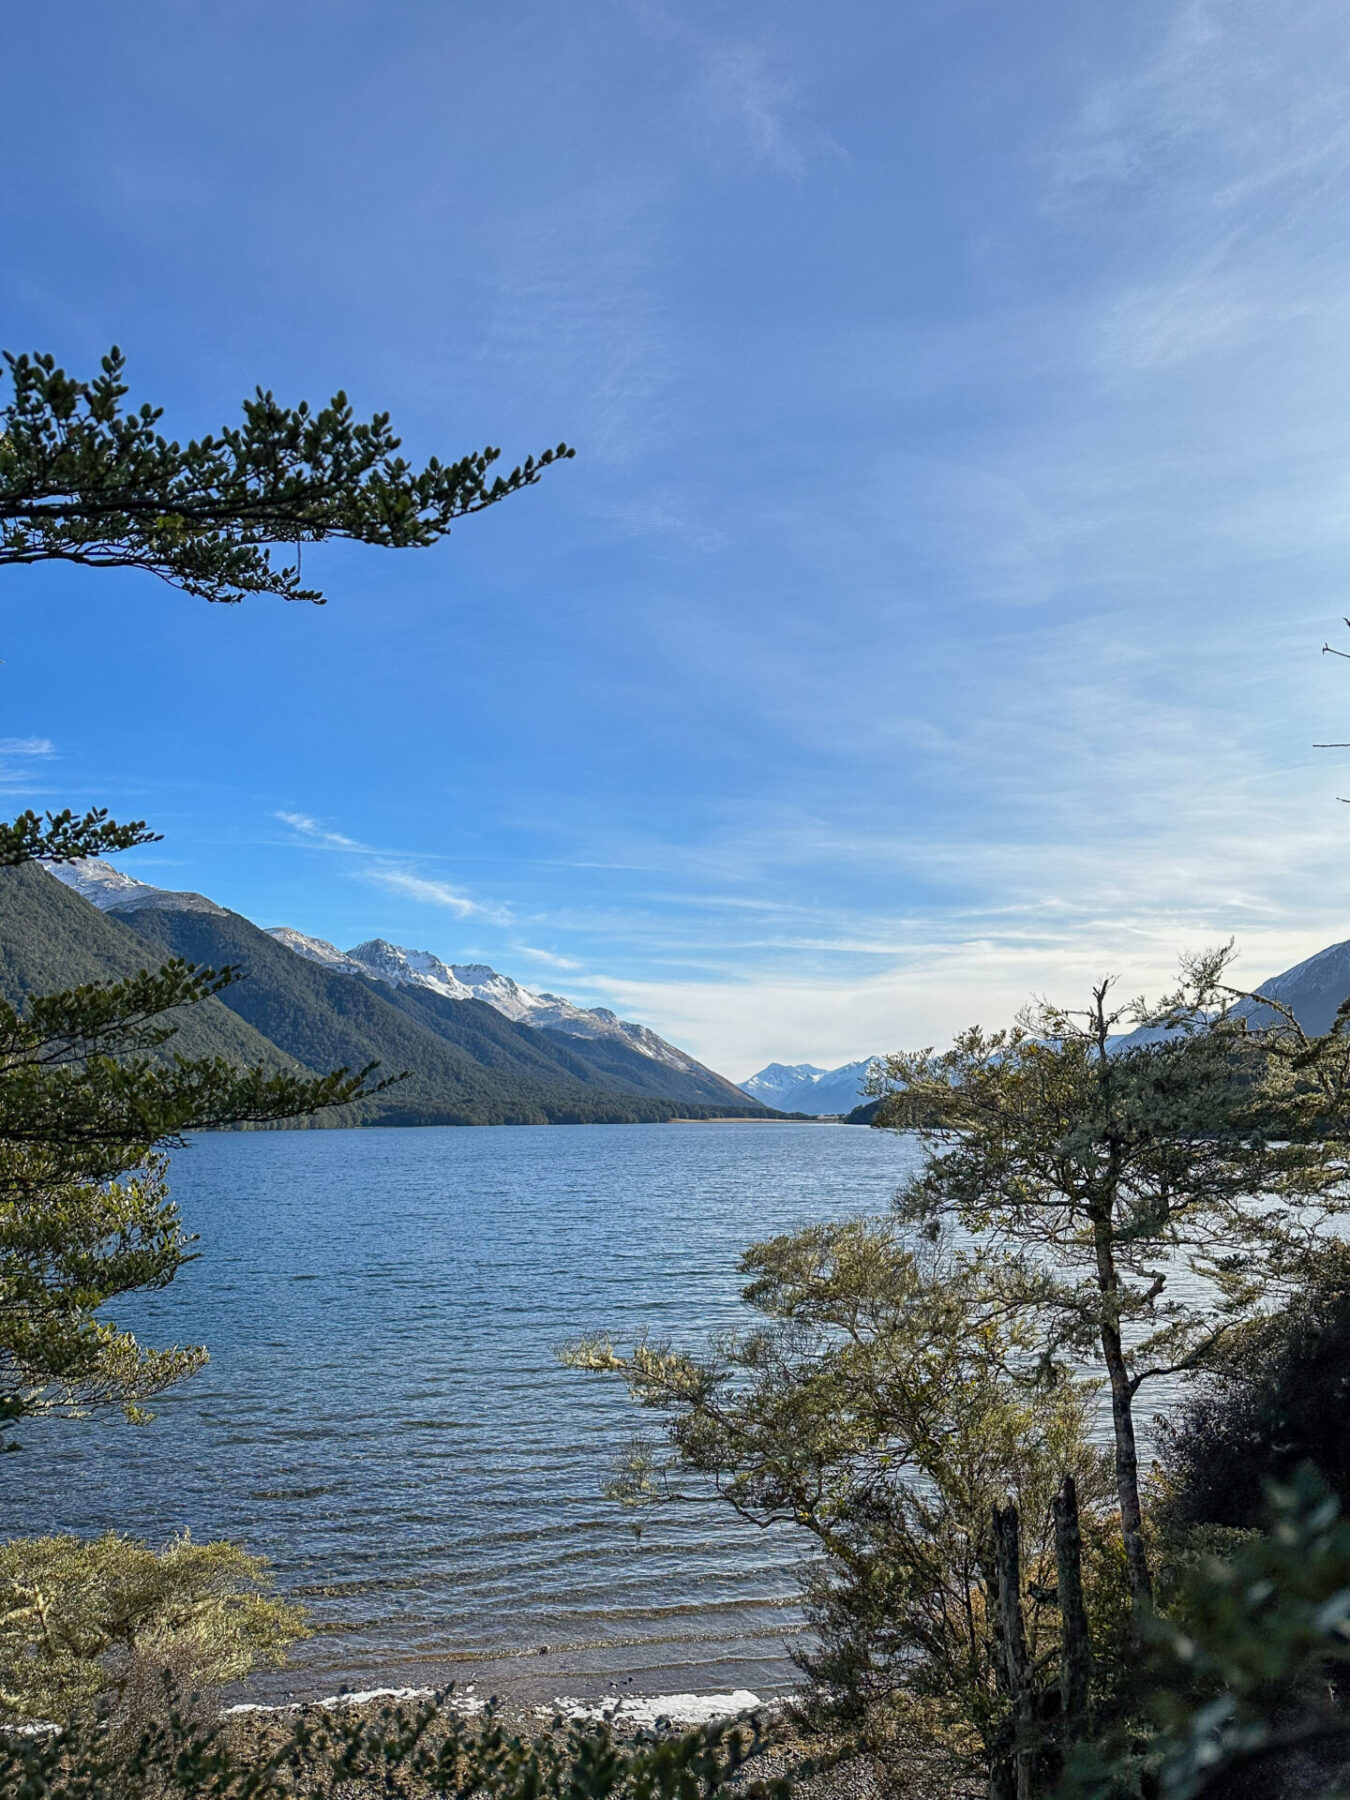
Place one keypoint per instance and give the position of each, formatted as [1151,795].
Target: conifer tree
[91,1093]
[84,480]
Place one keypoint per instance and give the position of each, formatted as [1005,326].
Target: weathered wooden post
[1076,1664]
[1008,1564]
[1002,1775]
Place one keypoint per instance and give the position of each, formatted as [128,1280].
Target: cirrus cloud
[391,870]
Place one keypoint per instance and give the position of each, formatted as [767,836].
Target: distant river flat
[384,1416]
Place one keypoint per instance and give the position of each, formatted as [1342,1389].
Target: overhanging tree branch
[82,480]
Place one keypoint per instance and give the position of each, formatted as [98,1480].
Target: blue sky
[932,612]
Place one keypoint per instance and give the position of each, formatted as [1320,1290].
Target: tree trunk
[1122,1419]
[1076,1668]
[1008,1562]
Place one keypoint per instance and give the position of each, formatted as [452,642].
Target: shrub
[1278,1397]
[96,1623]
[884,1406]
[1243,1681]
[425,1753]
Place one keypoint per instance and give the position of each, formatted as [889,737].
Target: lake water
[384,1416]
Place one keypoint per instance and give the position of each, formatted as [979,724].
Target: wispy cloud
[746,90]
[581,318]
[17,757]
[546,956]
[392,870]
[744,84]
[1235,124]
[317,835]
[434,893]
[742,1023]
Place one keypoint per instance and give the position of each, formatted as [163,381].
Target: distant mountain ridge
[303,1002]
[802,1087]
[112,891]
[1314,989]
[477,981]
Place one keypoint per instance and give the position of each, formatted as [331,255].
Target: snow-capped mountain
[802,1087]
[476,981]
[112,891]
[317,950]
[399,967]
[1313,990]
[777,1080]
[108,887]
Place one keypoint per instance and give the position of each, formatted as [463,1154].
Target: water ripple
[383,1414]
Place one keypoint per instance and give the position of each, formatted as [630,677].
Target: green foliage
[1243,1686]
[86,1623]
[84,481]
[82,1097]
[881,1408]
[62,838]
[1104,1169]
[90,1088]
[433,1751]
[52,939]
[65,1252]
[1278,1397]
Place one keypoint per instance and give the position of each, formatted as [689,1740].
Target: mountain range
[477,1046]
[512,1057]
[803,1088]
[476,981]
[1313,989]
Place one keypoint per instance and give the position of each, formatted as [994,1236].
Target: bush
[1243,1684]
[883,1405]
[425,1753]
[1279,1397]
[97,1623]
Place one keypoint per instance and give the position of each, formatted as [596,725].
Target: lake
[384,1416]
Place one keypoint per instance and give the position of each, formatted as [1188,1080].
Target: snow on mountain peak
[401,967]
[802,1087]
[318,950]
[404,968]
[110,890]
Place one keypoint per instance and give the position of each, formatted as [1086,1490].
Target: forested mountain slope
[591,1044]
[51,939]
[465,1062]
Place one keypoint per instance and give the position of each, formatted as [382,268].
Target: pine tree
[82,480]
[91,1093]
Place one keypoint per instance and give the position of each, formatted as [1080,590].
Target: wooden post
[1002,1775]
[1076,1666]
[1008,1563]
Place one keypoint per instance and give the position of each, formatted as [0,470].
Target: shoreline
[532,1682]
[624,1711]
[781,1751]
